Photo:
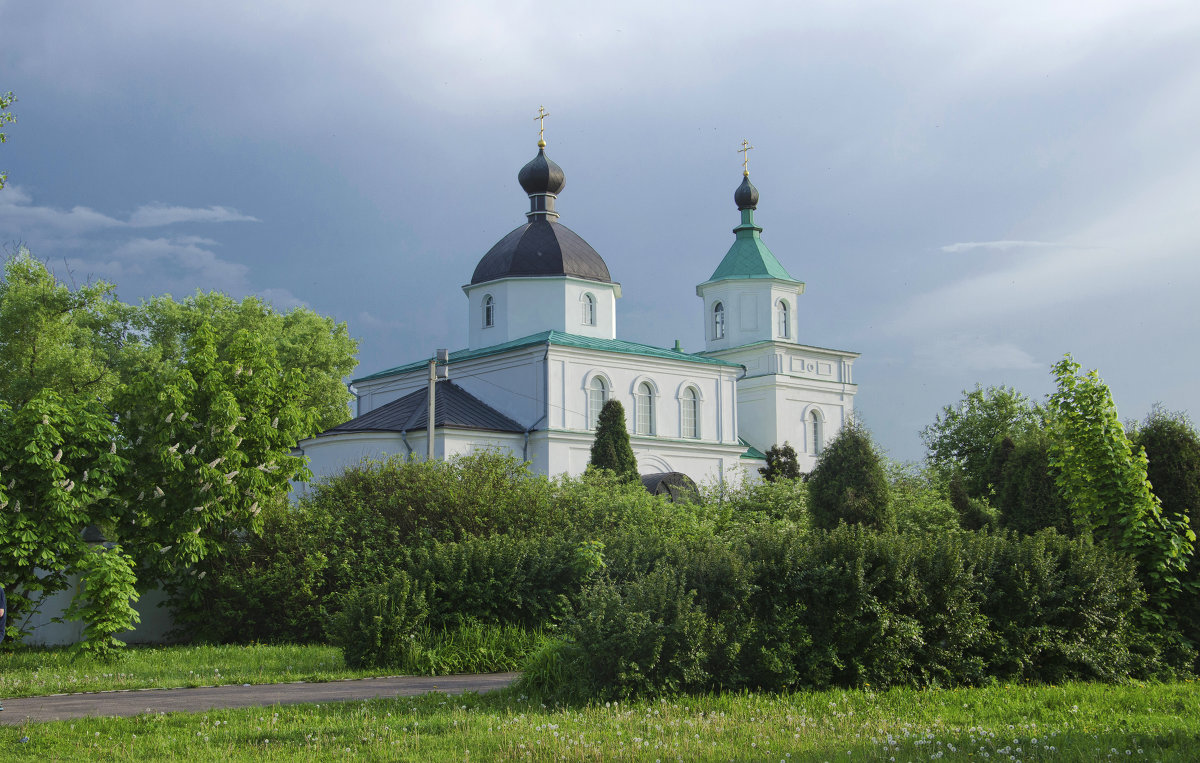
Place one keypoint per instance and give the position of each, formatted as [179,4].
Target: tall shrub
[849,483]
[611,449]
[1103,480]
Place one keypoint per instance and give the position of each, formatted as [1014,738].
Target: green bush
[849,484]
[378,627]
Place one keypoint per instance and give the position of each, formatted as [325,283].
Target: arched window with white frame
[815,434]
[588,303]
[782,318]
[718,318]
[489,311]
[643,403]
[690,414]
[597,395]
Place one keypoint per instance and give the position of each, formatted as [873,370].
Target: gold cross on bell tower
[745,152]
[541,118]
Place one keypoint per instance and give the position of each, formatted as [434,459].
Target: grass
[1076,722]
[30,672]
[472,648]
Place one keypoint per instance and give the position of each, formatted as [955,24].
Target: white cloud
[20,216]
[999,245]
[154,215]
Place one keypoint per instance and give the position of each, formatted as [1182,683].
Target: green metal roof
[749,257]
[751,451]
[559,339]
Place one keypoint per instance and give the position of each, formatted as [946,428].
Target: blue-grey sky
[968,189]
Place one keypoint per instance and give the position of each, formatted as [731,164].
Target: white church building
[543,356]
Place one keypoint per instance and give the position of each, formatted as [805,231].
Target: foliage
[1104,482]
[920,500]
[210,440]
[611,449]
[749,501]
[961,438]
[314,350]
[471,648]
[849,483]
[378,626]
[105,600]
[59,470]
[1025,486]
[1173,452]
[973,513]
[53,337]
[780,610]
[6,117]
[782,463]
[204,400]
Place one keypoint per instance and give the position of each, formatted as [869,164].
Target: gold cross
[745,152]
[541,118]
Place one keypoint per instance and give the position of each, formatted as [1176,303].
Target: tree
[6,117]
[1172,448]
[782,464]
[961,438]
[849,483]
[1103,479]
[168,425]
[611,449]
[1025,486]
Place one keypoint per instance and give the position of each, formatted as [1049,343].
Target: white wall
[525,306]
[749,310]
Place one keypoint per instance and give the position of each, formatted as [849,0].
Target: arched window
[643,402]
[589,310]
[781,312]
[718,321]
[815,425]
[596,396]
[691,414]
[489,311]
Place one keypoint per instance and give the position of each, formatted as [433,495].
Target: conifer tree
[849,484]
[782,464]
[612,450]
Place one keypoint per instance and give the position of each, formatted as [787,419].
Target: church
[542,357]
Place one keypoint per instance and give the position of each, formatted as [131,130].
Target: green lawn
[30,672]
[1081,722]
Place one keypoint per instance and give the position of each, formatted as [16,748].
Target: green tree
[1103,480]
[321,349]
[611,449]
[59,471]
[961,438]
[1172,448]
[782,464]
[849,483]
[53,337]
[6,117]
[1025,486]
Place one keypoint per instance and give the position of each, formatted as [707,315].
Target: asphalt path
[60,707]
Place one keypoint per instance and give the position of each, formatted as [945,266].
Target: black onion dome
[542,175]
[541,248]
[746,196]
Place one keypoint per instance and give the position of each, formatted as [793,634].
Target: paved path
[133,702]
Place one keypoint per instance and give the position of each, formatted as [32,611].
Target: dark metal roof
[453,407]
[542,175]
[541,248]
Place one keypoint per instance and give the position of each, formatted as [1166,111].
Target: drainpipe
[545,402]
[404,439]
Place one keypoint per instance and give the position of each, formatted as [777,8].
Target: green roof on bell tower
[749,257]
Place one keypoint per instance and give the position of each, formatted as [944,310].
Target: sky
[969,190]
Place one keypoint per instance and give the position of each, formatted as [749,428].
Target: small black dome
[541,248]
[746,196]
[541,175]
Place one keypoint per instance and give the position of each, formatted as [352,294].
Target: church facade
[543,356]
